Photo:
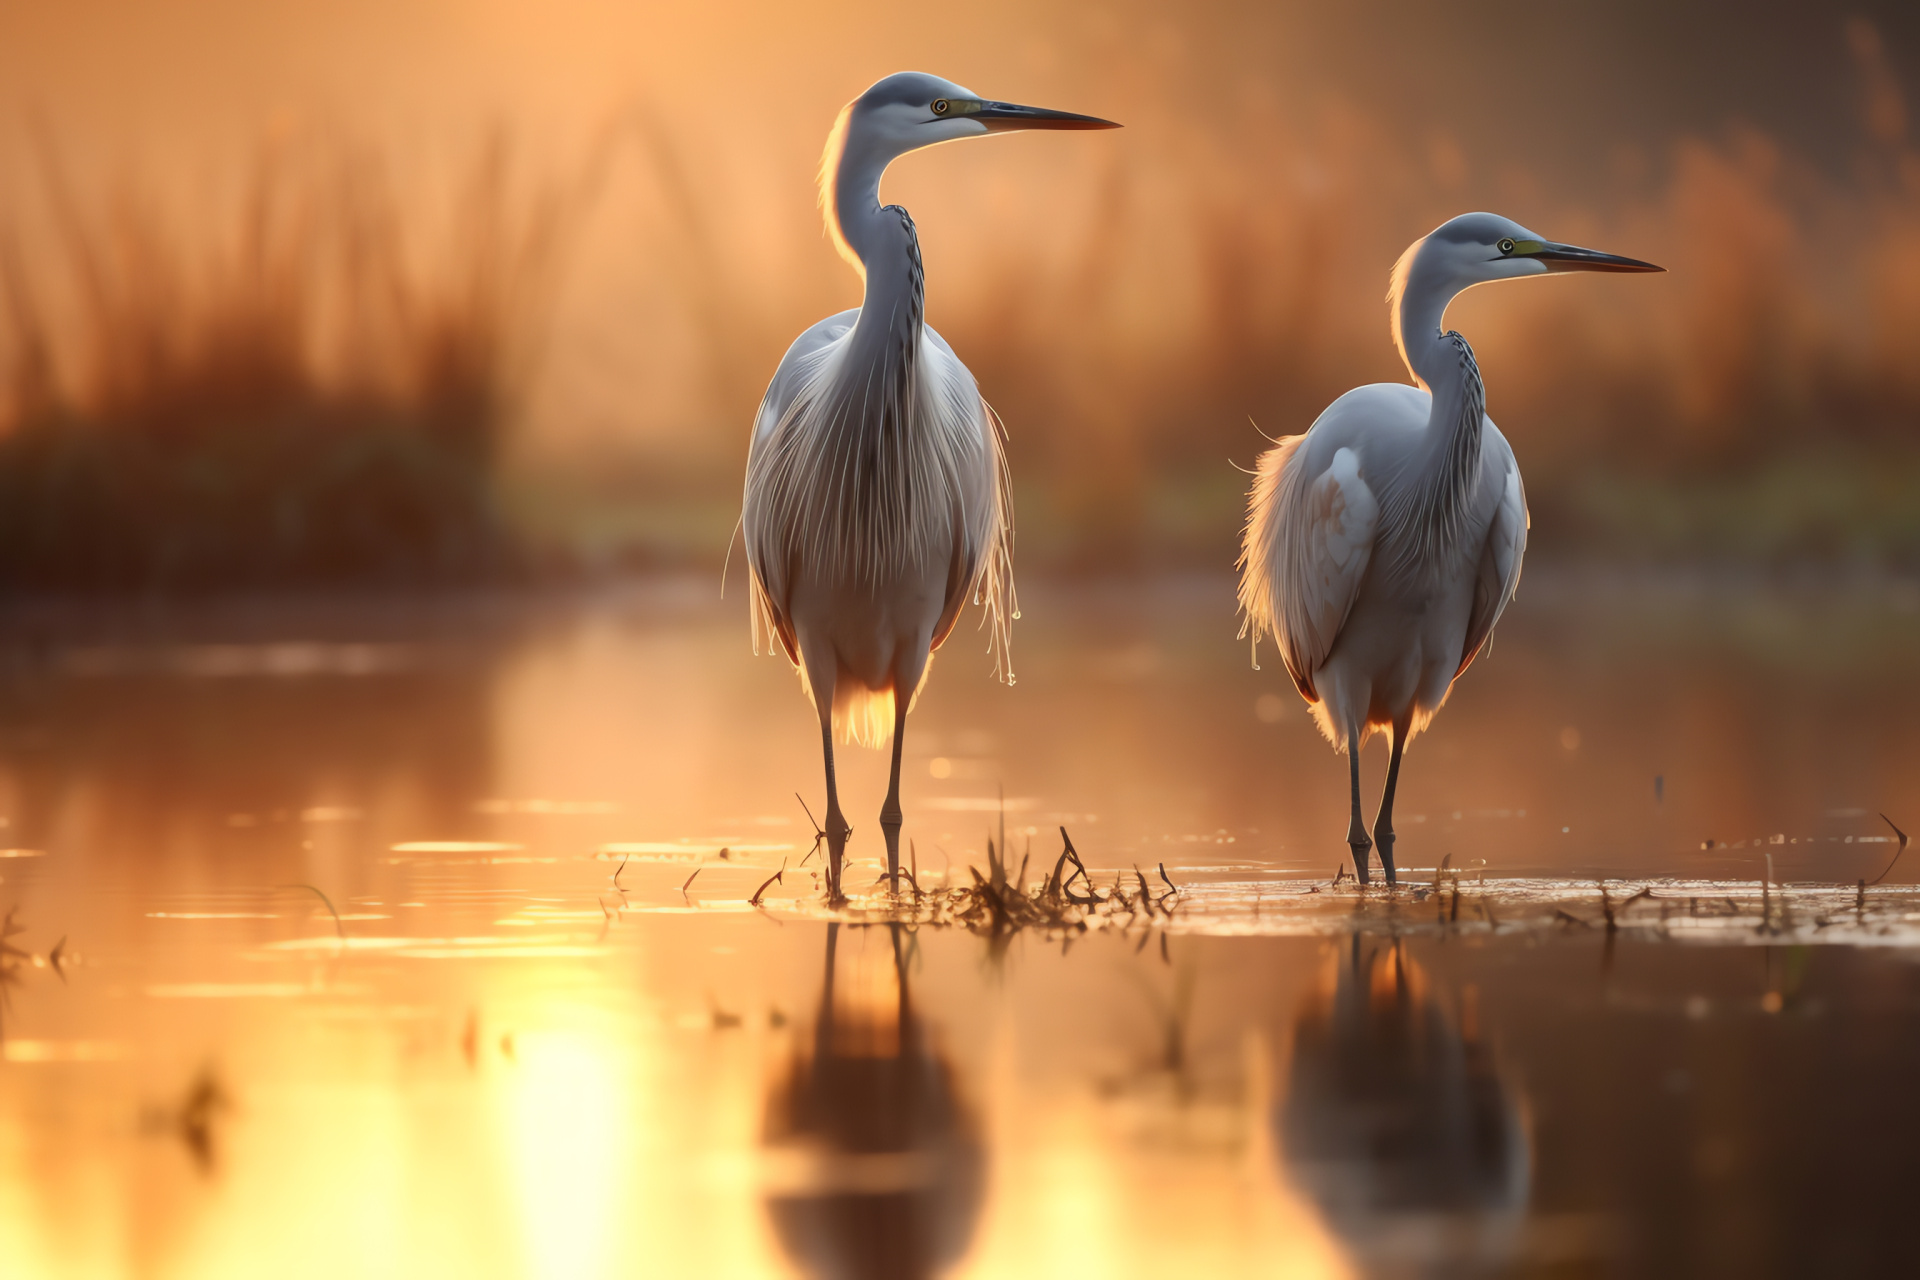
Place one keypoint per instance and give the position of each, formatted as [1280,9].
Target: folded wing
[1499,569]
[1304,554]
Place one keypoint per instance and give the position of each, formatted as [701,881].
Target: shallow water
[346,983]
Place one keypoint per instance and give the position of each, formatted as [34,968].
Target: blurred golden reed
[1761,401]
[307,391]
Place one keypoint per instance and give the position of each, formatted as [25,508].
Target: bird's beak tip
[1566,257]
[1007,117]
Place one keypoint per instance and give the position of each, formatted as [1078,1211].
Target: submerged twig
[338,926]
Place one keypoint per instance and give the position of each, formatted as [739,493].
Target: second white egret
[1382,545]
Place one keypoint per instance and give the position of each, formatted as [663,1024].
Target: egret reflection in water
[875,1165]
[1397,1123]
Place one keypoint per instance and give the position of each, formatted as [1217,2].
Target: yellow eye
[941,106]
[1505,246]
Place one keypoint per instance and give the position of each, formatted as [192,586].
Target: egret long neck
[853,210]
[883,242]
[869,422]
[1442,476]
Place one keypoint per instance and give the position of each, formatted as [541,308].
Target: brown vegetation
[298,388]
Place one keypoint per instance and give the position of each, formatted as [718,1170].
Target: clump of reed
[1003,903]
[306,384]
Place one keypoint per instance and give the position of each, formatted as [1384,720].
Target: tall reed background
[336,368]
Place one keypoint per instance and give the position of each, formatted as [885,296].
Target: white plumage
[921,524]
[876,495]
[1382,546]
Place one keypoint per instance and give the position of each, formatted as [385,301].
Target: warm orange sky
[1287,151]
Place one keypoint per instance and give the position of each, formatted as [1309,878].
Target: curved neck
[1440,362]
[853,204]
[1419,296]
[880,242]
[1445,471]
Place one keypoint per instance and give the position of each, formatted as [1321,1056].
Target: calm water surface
[319,965]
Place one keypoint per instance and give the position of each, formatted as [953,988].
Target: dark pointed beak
[1004,117]
[1567,257]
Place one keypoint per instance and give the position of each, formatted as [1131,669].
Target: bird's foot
[1360,846]
[890,827]
[838,833]
[1384,841]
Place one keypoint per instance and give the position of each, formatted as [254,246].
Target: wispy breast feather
[883,460]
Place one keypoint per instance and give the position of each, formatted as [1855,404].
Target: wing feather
[982,561]
[1304,554]
[790,395]
[1498,578]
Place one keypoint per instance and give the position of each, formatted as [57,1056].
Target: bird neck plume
[1431,506]
[859,462]
[1436,496]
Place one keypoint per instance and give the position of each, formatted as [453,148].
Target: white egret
[1382,545]
[876,495]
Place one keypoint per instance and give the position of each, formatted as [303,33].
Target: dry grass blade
[1080,871]
[1146,895]
[777,877]
[819,832]
[1898,850]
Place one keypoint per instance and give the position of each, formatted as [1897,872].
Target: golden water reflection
[395,969]
[875,1165]
[1397,1122]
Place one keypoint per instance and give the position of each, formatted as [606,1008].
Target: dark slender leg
[890,815]
[837,828]
[1357,829]
[1383,824]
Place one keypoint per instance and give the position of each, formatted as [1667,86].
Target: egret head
[1476,248]
[909,110]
